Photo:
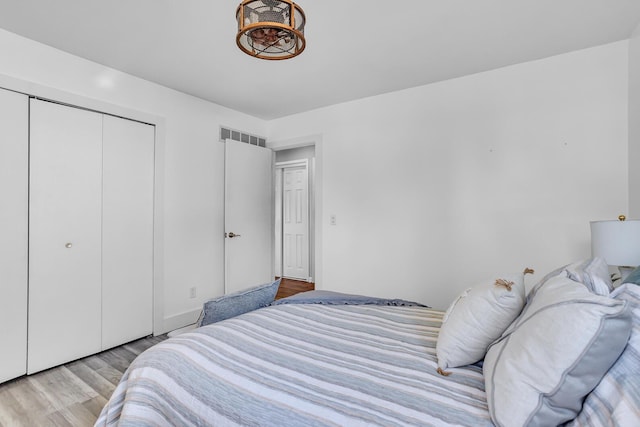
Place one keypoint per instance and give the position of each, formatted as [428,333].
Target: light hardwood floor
[69,395]
[74,394]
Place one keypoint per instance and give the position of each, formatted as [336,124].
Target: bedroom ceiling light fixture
[618,242]
[270,29]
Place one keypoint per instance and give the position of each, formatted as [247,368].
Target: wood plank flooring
[290,287]
[71,395]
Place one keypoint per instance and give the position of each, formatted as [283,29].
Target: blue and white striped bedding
[301,365]
[326,365]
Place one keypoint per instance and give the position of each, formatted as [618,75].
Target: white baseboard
[187,328]
[178,321]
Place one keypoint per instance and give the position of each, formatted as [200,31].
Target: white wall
[432,187]
[299,153]
[193,160]
[634,124]
[436,187]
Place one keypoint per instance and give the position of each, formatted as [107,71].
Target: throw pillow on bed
[477,318]
[593,273]
[237,303]
[616,399]
[554,354]
[633,277]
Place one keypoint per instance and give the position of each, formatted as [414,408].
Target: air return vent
[236,135]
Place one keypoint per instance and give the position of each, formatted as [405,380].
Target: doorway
[294,223]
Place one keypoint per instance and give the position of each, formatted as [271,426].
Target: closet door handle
[68,245]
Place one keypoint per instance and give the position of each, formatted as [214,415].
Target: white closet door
[65,234]
[127,231]
[14,167]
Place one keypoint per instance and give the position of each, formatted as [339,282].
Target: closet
[90,183]
[14,160]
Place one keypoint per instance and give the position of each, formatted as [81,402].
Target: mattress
[302,365]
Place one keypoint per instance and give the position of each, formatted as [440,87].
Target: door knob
[68,245]
[232,235]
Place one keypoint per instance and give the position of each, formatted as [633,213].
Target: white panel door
[127,231]
[14,184]
[64,237]
[277,235]
[248,216]
[295,223]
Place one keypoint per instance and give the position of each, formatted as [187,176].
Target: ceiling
[355,48]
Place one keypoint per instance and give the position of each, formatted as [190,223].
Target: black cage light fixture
[270,29]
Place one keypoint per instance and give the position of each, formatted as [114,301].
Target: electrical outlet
[332,219]
[192,292]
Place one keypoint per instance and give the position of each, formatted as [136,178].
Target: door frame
[316,141]
[280,167]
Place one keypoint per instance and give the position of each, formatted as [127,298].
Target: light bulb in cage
[270,29]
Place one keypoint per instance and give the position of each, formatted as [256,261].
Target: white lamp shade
[618,242]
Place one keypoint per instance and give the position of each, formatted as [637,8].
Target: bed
[337,365]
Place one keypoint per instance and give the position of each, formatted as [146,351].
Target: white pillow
[593,273]
[554,354]
[477,318]
[616,399]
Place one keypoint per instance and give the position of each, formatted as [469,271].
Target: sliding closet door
[14,167]
[65,234]
[127,231]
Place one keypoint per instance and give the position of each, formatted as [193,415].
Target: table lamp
[618,242]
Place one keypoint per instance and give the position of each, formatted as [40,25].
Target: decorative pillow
[616,399]
[557,272]
[633,277]
[593,273]
[554,354]
[237,303]
[477,318]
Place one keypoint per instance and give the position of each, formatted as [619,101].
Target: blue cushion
[231,305]
[633,277]
[339,298]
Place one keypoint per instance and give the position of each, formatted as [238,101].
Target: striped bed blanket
[301,365]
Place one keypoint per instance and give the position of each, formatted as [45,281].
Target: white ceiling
[355,48]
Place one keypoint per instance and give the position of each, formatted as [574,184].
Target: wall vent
[236,135]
